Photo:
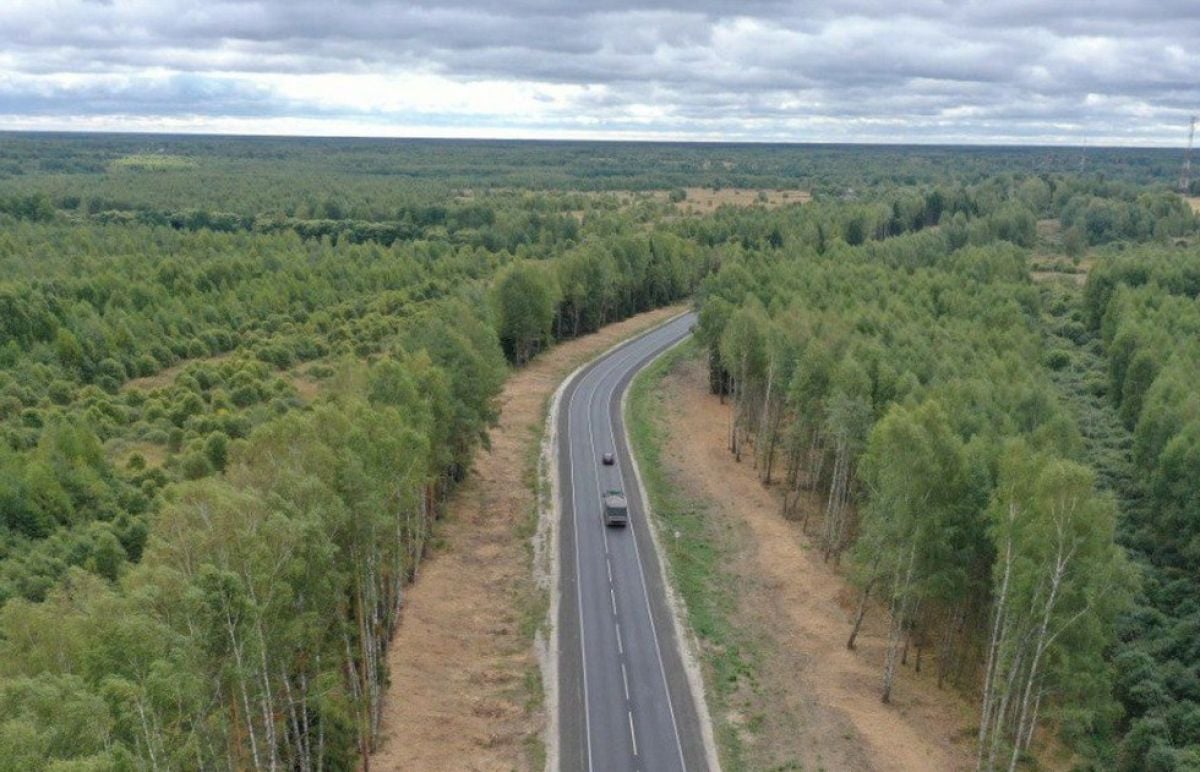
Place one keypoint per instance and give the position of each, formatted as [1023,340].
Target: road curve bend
[624,698]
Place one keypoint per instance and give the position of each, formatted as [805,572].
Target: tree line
[1142,304]
[899,391]
[202,559]
[237,385]
[300,175]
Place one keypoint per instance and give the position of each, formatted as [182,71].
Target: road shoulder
[688,645]
[466,683]
[770,617]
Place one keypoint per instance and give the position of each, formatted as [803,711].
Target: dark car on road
[607,459]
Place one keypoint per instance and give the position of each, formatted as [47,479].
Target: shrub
[154,411]
[236,425]
[275,354]
[9,406]
[216,448]
[111,368]
[60,392]
[1075,332]
[164,356]
[195,465]
[245,396]
[186,407]
[196,348]
[145,365]
[109,384]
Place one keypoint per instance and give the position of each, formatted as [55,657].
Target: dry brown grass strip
[460,661]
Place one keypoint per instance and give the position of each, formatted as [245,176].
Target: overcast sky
[1010,71]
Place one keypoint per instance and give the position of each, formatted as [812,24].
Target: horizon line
[584,140]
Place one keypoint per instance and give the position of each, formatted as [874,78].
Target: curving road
[624,698]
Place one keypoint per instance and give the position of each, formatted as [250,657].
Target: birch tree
[1059,583]
[743,349]
[914,467]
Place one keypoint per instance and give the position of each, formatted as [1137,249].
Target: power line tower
[1185,175]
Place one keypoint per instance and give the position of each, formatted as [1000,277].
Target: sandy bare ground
[1195,202]
[464,692]
[820,701]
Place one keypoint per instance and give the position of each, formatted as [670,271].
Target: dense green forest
[1143,306]
[239,378]
[224,448]
[376,178]
[910,385]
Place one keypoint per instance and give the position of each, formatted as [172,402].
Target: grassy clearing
[709,200]
[153,162]
[166,376]
[1078,369]
[695,560]
[153,454]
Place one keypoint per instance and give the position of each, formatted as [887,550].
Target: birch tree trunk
[998,619]
[862,604]
[899,613]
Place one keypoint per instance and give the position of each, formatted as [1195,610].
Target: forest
[240,377]
[915,386]
[224,449]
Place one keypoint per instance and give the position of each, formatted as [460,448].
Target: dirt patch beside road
[465,690]
[814,702]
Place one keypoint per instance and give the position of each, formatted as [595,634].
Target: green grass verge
[694,552]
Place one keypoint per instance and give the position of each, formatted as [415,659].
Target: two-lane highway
[624,698]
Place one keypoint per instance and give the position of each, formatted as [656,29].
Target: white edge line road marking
[553,515]
[637,551]
[616,367]
[575,518]
[547,554]
[642,575]
[587,719]
[684,637]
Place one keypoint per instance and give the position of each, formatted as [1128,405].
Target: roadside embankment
[771,617]
[466,690]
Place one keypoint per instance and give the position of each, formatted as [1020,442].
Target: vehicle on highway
[615,508]
[607,459]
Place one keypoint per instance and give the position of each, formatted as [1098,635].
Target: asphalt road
[624,698]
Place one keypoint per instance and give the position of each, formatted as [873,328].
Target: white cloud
[1006,70]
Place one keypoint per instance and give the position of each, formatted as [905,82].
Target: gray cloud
[936,70]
